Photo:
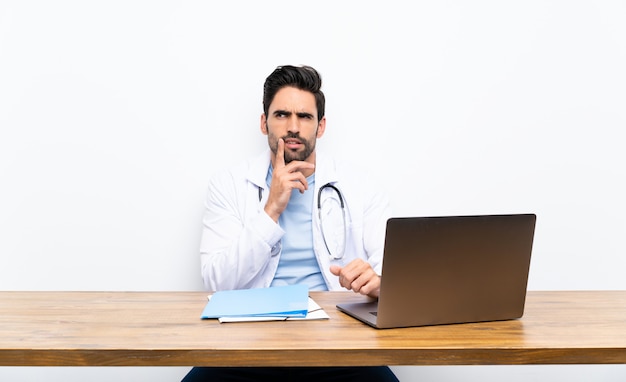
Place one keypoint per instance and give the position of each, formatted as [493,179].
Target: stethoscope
[334,255]
[340,251]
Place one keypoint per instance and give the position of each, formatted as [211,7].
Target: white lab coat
[240,246]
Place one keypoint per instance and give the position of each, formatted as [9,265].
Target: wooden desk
[164,329]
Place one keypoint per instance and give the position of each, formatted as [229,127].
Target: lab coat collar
[257,169]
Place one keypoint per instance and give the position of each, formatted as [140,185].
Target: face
[292,116]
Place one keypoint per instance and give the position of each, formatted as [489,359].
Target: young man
[291,217]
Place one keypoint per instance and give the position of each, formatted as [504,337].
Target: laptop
[450,270]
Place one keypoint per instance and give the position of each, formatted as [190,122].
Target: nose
[293,125]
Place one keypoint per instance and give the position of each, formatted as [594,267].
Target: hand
[285,178]
[358,276]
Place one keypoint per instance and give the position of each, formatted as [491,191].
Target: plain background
[114,115]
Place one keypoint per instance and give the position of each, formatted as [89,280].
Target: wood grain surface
[164,328]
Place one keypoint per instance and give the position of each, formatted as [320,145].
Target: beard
[290,155]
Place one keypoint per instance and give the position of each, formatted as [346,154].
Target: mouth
[292,143]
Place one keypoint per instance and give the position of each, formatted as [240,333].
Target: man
[289,217]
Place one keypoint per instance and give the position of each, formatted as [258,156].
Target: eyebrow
[301,114]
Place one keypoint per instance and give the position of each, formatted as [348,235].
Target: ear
[264,124]
[321,127]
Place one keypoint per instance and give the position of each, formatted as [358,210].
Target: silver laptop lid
[454,269]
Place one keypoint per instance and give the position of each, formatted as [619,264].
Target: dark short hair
[300,77]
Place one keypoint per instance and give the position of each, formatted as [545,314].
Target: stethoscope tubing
[343,215]
[319,214]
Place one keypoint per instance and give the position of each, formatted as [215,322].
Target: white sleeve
[377,211]
[239,247]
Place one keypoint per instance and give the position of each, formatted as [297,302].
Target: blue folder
[283,301]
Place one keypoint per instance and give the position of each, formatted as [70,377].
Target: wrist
[272,213]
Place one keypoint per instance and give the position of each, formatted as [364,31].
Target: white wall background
[114,114]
